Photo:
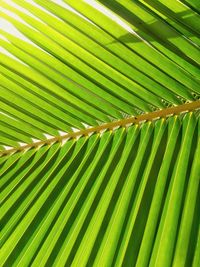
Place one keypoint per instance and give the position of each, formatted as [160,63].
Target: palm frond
[100,133]
[100,200]
[115,73]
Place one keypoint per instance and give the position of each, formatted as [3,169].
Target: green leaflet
[191,200]
[117,194]
[98,200]
[150,229]
[71,72]
[140,47]
[164,244]
[19,126]
[153,26]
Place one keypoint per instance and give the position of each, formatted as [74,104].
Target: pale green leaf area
[79,186]
[68,71]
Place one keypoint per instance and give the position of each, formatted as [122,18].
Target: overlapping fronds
[100,133]
[68,70]
[129,197]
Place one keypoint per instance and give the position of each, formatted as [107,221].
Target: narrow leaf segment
[129,197]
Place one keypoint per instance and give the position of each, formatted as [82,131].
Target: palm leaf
[100,133]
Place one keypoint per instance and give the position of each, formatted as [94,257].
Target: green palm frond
[114,73]
[100,133]
[99,199]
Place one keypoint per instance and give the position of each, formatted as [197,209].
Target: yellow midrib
[176,110]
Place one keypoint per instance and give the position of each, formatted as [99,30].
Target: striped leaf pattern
[65,70]
[100,133]
[124,198]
